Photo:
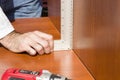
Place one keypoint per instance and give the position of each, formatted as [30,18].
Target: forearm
[7,39]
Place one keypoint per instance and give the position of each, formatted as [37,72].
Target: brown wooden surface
[60,62]
[97,37]
[43,24]
[54,12]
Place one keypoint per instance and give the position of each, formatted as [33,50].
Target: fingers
[47,37]
[40,42]
[30,50]
[31,42]
[38,48]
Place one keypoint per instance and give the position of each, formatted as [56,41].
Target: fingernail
[41,52]
[33,53]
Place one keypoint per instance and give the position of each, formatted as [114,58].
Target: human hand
[31,42]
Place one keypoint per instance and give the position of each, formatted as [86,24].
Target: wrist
[7,37]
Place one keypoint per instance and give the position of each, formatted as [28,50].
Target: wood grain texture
[43,24]
[97,37]
[54,12]
[60,62]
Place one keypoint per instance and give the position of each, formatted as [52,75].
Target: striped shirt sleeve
[5,26]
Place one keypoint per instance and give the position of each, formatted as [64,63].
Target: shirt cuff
[6,31]
[5,26]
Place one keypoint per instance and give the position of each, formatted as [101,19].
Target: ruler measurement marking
[65,42]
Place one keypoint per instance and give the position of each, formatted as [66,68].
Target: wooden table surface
[43,24]
[65,63]
[60,62]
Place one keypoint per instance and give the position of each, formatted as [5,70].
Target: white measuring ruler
[65,43]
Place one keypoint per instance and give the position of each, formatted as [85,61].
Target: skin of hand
[31,42]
